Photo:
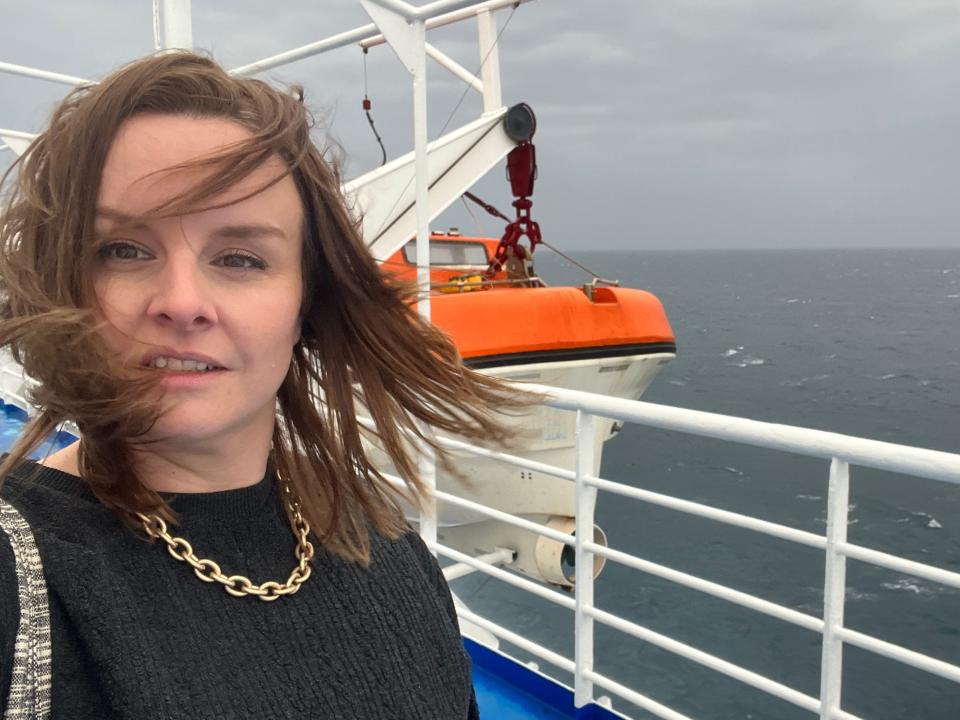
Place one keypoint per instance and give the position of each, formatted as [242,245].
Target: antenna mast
[172,25]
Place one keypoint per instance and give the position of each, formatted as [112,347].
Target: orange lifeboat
[496,321]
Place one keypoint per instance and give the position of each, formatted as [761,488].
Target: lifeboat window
[449,253]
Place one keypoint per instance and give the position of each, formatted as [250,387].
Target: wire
[453,112]
[483,61]
[476,221]
[571,260]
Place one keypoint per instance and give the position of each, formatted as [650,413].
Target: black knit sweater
[137,635]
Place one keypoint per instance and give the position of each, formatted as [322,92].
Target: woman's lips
[186,379]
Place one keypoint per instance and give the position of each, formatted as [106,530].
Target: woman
[182,278]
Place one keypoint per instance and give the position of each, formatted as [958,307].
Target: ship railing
[841,451]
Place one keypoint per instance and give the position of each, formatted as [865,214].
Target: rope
[366,109]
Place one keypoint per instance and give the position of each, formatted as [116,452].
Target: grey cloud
[747,123]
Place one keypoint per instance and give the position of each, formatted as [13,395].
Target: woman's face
[209,299]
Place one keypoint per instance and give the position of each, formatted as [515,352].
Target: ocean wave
[733,351]
[918,518]
[908,585]
[747,362]
[804,380]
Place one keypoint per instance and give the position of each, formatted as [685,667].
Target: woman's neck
[184,468]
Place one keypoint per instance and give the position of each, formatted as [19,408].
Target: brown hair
[360,338]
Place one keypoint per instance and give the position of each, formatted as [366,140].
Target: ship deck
[509,690]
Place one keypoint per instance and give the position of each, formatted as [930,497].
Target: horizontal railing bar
[838,714]
[521,642]
[37,74]
[20,135]
[410,12]
[651,706]
[452,444]
[892,562]
[877,454]
[333,42]
[723,592]
[901,654]
[509,578]
[771,687]
[366,35]
[451,17]
[500,556]
[545,468]
[783,532]
[519,522]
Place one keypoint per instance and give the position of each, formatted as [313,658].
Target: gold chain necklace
[238,585]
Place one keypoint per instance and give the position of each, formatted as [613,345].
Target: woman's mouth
[173,364]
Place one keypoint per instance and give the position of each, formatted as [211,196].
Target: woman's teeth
[165,363]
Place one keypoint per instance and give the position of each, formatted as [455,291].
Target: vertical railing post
[489,61]
[428,463]
[406,34]
[834,589]
[586,499]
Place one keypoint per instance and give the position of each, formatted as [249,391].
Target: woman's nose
[181,299]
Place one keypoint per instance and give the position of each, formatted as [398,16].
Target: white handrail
[38,74]
[840,449]
[707,660]
[365,36]
[509,578]
[876,454]
[766,527]
[521,642]
[794,617]
[19,134]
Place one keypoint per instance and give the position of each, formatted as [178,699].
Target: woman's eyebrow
[242,231]
[121,218]
[248,231]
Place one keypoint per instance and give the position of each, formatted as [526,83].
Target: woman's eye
[123,251]
[241,261]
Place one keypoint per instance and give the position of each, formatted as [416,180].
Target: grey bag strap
[30,692]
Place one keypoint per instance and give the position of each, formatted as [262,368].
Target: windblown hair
[360,338]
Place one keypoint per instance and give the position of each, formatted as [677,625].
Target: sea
[863,342]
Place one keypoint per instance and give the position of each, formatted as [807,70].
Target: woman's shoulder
[408,548]
[9,614]
[36,490]
[410,554]
[62,514]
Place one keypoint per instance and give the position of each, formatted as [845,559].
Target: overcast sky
[662,124]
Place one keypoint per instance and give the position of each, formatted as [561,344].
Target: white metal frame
[841,450]
[403,26]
